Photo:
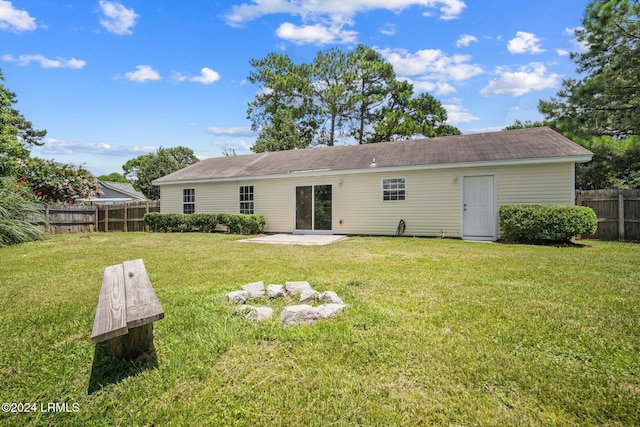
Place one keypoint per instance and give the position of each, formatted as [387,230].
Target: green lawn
[439,332]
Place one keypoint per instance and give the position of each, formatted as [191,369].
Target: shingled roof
[531,144]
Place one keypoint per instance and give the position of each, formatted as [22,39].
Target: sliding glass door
[313,208]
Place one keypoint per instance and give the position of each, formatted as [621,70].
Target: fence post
[620,216]
[146,227]
[106,218]
[124,226]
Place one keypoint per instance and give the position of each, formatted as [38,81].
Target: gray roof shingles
[533,143]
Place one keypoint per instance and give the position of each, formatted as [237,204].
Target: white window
[394,189]
[188,200]
[246,199]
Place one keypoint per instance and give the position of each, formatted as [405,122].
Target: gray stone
[260,314]
[299,315]
[308,296]
[238,297]
[329,310]
[330,297]
[275,291]
[293,288]
[255,289]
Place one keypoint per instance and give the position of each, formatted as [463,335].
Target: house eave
[378,169]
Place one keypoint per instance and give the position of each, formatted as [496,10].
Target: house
[111,193]
[450,185]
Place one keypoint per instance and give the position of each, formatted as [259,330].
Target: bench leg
[137,342]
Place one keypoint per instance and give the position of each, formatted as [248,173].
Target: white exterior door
[478,208]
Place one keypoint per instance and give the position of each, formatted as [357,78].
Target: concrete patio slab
[296,239]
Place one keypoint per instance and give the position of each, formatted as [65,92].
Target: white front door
[478,206]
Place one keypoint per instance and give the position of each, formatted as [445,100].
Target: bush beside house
[205,223]
[537,223]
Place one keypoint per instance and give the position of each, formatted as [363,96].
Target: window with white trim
[394,189]
[188,200]
[246,199]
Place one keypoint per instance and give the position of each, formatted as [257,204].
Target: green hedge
[205,223]
[536,223]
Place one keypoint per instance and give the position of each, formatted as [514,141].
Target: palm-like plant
[20,219]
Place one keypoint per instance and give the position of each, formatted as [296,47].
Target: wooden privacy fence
[79,219]
[618,213]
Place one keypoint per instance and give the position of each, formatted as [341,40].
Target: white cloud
[177,77]
[144,73]
[465,40]
[232,131]
[238,144]
[117,18]
[563,52]
[388,29]
[456,113]
[15,20]
[524,43]
[54,146]
[532,77]
[336,10]
[315,34]
[431,64]
[435,88]
[46,62]
[206,77]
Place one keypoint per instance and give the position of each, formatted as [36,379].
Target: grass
[439,332]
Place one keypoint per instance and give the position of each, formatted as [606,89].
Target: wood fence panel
[102,218]
[618,213]
[65,219]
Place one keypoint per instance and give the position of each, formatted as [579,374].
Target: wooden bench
[127,308]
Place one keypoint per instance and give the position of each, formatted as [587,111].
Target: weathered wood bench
[127,308]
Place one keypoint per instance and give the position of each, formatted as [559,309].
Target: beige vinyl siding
[431,205]
[549,184]
[433,197]
[210,197]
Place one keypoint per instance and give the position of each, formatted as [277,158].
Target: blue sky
[111,80]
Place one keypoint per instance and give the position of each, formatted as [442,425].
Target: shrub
[536,223]
[20,219]
[205,223]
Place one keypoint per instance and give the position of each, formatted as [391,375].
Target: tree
[527,124]
[113,177]
[373,79]
[333,80]
[149,167]
[340,95]
[406,116]
[16,133]
[283,102]
[54,182]
[615,162]
[280,134]
[607,100]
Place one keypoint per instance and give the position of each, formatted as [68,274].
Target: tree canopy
[16,133]
[340,96]
[606,101]
[149,167]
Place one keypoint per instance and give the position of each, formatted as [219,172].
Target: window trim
[251,202]
[188,199]
[400,192]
